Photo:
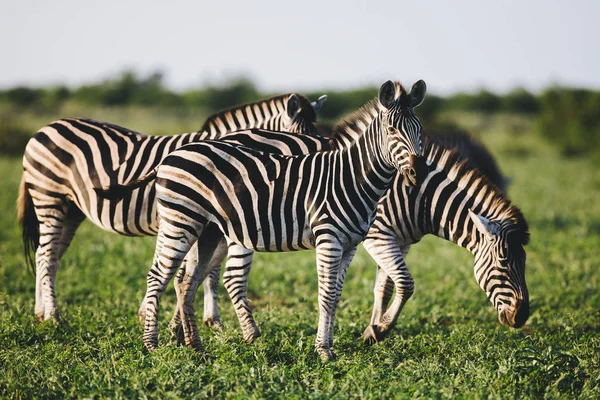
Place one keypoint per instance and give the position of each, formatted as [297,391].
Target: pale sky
[307,45]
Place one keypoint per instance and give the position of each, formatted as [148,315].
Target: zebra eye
[392,131]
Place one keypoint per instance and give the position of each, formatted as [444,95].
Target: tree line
[567,116]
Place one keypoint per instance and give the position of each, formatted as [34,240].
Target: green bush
[13,136]
[521,101]
[571,119]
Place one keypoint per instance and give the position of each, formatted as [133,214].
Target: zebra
[460,204]
[68,158]
[468,148]
[272,202]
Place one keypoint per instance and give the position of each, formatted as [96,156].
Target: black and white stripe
[68,158]
[270,202]
[459,204]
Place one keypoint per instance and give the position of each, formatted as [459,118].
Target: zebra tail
[30,227]
[118,192]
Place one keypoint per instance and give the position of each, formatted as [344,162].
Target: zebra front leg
[235,280]
[173,243]
[344,264]
[329,258]
[389,256]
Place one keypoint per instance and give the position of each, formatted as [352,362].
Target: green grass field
[448,341]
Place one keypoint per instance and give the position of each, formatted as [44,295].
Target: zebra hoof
[150,346]
[40,316]
[327,355]
[214,323]
[197,346]
[177,335]
[373,335]
[251,336]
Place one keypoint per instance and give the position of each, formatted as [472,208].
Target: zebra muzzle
[414,171]
[410,177]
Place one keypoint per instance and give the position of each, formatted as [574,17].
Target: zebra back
[289,112]
[469,148]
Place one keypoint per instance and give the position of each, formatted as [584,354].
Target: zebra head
[402,126]
[301,114]
[500,265]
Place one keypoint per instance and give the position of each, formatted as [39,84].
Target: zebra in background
[467,148]
[473,151]
[459,204]
[271,202]
[68,158]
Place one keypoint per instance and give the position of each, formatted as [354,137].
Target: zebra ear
[293,105]
[483,224]
[318,105]
[417,93]
[387,94]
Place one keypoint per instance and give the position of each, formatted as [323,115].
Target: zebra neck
[365,164]
[352,128]
[265,114]
[441,208]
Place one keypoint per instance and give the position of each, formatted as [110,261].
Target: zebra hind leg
[390,257]
[184,278]
[211,309]
[383,290]
[51,224]
[235,280]
[172,244]
[195,272]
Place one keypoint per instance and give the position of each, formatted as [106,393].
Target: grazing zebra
[271,202]
[459,204]
[68,158]
[467,147]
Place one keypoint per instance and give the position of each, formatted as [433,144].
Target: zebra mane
[281,101]
[354,124]
[457,170]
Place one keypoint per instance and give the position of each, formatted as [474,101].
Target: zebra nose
[515,316]
[412,171]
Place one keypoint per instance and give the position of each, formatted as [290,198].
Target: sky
[458,45]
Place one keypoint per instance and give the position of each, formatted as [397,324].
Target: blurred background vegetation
[567,117]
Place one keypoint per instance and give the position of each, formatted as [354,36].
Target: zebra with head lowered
[460,204]
[68,158]
[271,202]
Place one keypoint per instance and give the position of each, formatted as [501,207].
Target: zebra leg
[389,256]
[207,250]
[329,258]
[175,326]
[344,264]
[235,280]
[172,244]
[52,221]
[184,283]
[73,219]
[384,288]
[211,309]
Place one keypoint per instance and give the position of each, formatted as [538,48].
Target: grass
[448,342]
